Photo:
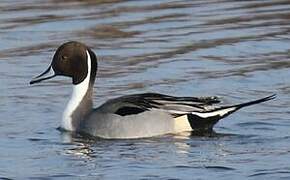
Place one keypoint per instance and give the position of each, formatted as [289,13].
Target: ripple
[5,178]
[101,32]
[220,168]
[262,173]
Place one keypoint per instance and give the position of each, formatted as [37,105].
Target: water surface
[238,50]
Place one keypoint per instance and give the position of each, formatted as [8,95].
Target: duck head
[70,60]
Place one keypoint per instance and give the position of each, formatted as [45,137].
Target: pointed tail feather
[268,98]
[230,109]
[204,121]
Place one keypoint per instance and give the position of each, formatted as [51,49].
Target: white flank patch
[214,113]
[79,91]
[181,124]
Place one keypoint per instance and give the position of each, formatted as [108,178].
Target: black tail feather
[206,124]
[239,106]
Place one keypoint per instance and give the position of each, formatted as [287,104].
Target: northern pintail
[131,116]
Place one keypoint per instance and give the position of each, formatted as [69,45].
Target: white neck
[79,91]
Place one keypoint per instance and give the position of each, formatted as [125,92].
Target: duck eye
[63,57]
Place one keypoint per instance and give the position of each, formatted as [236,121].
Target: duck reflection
[180,146]
[81,145]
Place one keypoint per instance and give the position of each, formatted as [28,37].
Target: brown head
[71,60]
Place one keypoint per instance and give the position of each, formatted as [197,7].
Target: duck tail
[205,121]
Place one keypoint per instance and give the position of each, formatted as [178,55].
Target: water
[238,50]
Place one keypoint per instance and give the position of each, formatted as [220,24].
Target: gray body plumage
[155,119]
[146,124]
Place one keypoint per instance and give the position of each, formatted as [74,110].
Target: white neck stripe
[79,91]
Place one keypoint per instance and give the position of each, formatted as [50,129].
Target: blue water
[238,50]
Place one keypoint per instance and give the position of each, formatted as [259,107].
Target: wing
[176,106]
[201,113]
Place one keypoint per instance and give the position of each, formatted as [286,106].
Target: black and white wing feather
[176,106]
[202,107]
[202,113]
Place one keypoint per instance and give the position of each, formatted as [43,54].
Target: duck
[129,116]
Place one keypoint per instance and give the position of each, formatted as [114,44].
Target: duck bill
[48,74]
